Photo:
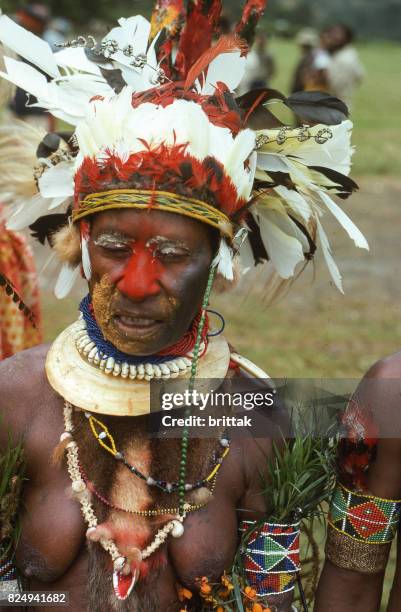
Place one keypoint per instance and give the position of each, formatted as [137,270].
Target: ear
[66,243]
[222,285]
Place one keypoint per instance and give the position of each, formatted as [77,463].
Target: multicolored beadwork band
[271,559]
[7,570]
[157,200]
[365,518]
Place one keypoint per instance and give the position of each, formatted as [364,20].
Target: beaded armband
[271,557]
[361,529]
[8,571]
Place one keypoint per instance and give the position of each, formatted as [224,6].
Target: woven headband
[157,200]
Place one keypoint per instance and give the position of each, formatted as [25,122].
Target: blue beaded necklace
[106,348]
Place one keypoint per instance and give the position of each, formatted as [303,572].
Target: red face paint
[142,273]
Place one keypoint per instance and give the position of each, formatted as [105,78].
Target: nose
[141,275]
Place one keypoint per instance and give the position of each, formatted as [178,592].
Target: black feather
[317,107]
[346,184]
[255,240]
[50,144]
[114,78]
[312,243]
[44,227]
[257,116]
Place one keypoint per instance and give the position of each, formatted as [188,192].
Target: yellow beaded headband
[157,200]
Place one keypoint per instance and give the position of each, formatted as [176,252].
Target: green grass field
[315,331]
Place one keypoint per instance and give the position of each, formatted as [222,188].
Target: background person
[345,71]
[311,70]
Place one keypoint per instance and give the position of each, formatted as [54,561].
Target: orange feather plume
[226,44]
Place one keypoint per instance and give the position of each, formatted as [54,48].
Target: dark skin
[342,590]
[52,553]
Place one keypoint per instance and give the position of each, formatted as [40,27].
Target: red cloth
[16,263]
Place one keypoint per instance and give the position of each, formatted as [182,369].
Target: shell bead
[109,365]
[78,486]
[177,530]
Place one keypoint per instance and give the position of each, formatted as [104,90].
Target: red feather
[251,14]
[166,168]
[227,44]
[201,25]
[169,17]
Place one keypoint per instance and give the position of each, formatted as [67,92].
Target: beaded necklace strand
[142,513]
[191,386]
[105,439]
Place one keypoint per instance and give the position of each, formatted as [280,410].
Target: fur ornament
[66,243]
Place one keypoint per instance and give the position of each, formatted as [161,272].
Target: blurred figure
[260,66]
[57,32]
[345,71]
[311,71]
[33,17]
[16,263]
[16,260]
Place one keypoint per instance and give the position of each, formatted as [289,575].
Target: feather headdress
[156,122]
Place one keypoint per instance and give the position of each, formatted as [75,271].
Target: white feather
[246,257]
[331,264]
[75,58]
[229,68]
[66,280]
[26,77]
[280,218]
[133,31]
[224,261]
[285,252]
[86,262]
[27,45]
[56,202]
[353,232]
[272,162]
[58,181]
[28,213]
[295,201]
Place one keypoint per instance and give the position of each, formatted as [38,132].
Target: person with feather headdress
[165,182]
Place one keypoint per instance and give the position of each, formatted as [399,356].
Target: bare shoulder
[24,389]
[388,367]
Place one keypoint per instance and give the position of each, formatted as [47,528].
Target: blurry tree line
[369,18]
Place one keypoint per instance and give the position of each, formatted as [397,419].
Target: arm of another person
[345,590]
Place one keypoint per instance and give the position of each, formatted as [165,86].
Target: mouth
[136,326]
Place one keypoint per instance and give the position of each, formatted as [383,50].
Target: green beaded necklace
[191,386]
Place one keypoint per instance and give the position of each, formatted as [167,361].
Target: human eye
[170,252]
[113,244]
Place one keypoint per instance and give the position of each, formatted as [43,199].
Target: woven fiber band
[348,553]
[364,518]
[157,200]
[271,557]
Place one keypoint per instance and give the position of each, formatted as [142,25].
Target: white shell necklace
[121,566]
[144,371]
